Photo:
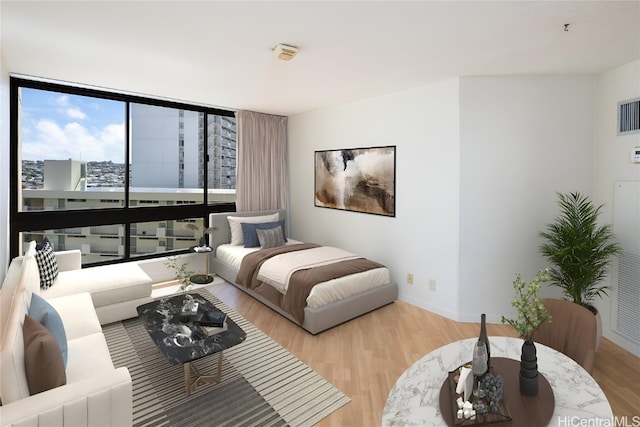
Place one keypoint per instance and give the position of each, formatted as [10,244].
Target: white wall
[613,164]
[522,139]
[478,164]
[4,167]
[423,237]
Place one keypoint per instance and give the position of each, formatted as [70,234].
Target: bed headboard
[223,234]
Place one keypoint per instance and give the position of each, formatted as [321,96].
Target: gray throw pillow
[251,236]
[270,237]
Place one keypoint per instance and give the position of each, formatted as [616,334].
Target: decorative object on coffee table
[488,409]
[479,365]
[189,309]
[184,342]
[531,314]
[529,369]
[484,338]
[512,407]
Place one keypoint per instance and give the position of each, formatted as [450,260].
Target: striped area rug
[262,383]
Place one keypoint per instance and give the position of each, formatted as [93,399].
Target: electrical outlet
[432,284]
[410,278]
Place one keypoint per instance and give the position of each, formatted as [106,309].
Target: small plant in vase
[181,270]
[531,314]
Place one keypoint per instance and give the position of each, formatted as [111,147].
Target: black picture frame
[356,179]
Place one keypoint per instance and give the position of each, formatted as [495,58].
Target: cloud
[62,101]
[69,110]
[50,141]
[112,138]
[76,113]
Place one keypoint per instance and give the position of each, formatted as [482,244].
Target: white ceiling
[219,53]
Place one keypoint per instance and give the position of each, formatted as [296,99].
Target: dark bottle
[483,338]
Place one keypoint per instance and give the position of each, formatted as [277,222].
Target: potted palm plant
[579,250]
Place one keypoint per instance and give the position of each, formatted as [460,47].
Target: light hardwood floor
[365,356]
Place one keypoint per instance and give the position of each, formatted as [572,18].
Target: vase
[528,369]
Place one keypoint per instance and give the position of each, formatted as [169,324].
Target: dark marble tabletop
[184,342]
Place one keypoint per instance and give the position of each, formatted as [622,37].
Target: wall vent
[285,52]
[625,301]
[628,322]
[629,117]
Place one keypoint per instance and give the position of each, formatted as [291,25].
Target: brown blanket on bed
[301,282]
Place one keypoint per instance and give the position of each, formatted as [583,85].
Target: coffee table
[183,343]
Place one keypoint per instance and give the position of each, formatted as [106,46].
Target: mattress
[323,293]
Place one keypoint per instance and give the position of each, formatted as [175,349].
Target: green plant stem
[531,309]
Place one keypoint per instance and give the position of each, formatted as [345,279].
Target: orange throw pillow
[43,362]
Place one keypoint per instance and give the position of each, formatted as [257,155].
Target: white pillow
[236,228]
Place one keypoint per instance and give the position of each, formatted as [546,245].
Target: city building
[162,134]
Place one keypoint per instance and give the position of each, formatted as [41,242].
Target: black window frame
[126,215]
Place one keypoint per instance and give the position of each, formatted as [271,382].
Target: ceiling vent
[285,52]
[629,117]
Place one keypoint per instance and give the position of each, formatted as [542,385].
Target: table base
[190,371]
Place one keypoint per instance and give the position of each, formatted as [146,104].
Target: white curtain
[261,182]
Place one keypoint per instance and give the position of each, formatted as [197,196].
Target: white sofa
[116,290]
[95,392]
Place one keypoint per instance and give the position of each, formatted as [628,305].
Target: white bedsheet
[323,293]
[277,271]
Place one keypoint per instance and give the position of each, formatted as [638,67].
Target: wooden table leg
[190,386]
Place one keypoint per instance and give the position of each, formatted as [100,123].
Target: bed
[363,286]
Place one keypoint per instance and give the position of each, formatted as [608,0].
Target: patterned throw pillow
[47,264]
[270,238]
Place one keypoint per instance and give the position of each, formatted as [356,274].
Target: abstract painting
[357,179]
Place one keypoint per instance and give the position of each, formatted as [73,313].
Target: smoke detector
[284,52]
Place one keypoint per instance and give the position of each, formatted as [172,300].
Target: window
[110,173]
[69,144]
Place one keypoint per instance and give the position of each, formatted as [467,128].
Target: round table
[414,399]
[202,279]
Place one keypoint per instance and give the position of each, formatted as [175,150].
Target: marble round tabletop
[414,399]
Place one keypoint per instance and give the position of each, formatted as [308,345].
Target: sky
[57,126]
